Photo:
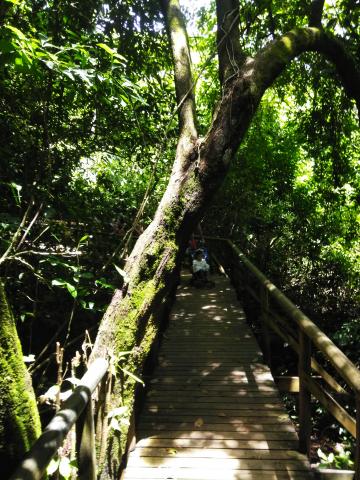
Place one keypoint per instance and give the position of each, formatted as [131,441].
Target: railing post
[304,393]
[264,308]
[357,451]
[85,444]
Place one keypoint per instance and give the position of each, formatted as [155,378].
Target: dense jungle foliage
[87,137]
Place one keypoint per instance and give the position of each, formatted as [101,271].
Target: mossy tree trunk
[199,168]
[19,418]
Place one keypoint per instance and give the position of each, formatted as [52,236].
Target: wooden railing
[78,408]
[280,315]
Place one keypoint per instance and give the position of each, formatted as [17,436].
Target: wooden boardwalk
[213,410]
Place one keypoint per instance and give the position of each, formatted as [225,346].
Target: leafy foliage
[87,137]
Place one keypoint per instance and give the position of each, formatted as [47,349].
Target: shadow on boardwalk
[213,410]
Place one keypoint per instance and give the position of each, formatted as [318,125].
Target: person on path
[200,268]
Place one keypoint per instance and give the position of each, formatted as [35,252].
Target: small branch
[59,362]
[75,253]
[17,234]
[29,227]
[41,234]
[26,264]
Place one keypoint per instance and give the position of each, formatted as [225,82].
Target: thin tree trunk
[19,418]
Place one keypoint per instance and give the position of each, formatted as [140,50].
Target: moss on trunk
[19,418]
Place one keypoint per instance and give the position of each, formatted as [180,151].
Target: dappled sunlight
[213,410]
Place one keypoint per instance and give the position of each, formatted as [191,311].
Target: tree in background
[19,418]
[87,93]
[201,163]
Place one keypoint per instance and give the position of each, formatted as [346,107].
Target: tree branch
[239,103]
[316,13]
[29,227]
[273,59]
[182,65]
[17,234]
[230,53]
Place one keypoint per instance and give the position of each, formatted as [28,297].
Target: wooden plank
[231,408]
[341,415]
[241,389]
[251,399]
[223,463]
[332,383]
[231,415]
[213,419]
[304,393]
[267,434]
[258,444]
[220,453]
[238,395]
[139,473]
[288,384]
[213,410]
[216,427]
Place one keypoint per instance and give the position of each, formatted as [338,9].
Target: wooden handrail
[344,366]
[34,465]
[310,337]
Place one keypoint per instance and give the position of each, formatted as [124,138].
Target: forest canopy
[96,101]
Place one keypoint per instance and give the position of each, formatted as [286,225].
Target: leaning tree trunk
[199,169]
[19,418]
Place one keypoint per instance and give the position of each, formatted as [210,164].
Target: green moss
[19,418]
[135,331]
[287,43]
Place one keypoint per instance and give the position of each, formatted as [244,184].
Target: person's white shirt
[200,265]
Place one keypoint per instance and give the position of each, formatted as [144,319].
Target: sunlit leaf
[130,374]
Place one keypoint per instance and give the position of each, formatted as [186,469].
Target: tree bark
[19,418]
[316,13]
[198,171]
[230,53]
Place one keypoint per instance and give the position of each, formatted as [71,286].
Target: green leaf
[83,239]
[137,379]
[63,283]
[122,273]
[106,48]
[102,282]
[17,32]
[72,290]
[58,282]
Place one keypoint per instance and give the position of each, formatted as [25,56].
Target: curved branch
[273,59]
[182,67]
[238,105]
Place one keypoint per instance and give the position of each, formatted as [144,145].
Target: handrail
[308,334]
[34,465]
[331,352]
